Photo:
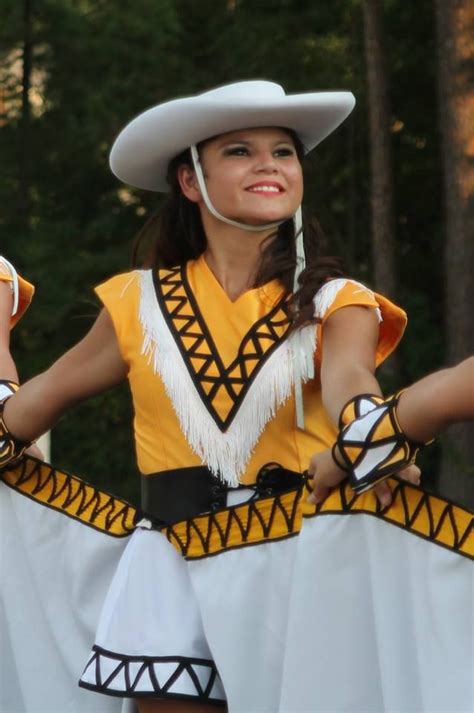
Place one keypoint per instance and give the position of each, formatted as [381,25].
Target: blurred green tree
[91,65]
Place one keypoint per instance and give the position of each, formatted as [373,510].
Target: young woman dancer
[241,346]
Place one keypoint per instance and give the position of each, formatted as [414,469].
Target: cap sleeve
[342,292]
[22,290]
[120,296]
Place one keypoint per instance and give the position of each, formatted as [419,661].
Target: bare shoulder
[100,339]
[351,335]
[355,320]
[103,326]
[94,364]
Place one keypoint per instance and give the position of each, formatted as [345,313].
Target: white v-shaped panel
[226,453]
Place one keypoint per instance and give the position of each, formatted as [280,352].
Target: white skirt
[150,640]
[272,606]
[273,612]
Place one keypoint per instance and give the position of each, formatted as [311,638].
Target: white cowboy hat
[143,150]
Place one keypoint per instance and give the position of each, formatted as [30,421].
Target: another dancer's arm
[424,410]
[437,401]
[7,365]
[15,296]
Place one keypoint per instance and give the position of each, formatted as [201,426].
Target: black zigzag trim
[246,516]
[71,496]
[235,386]
[149,666]
[428,506]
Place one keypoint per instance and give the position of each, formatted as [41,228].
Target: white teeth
[265,189]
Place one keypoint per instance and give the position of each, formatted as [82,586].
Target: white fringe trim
[326,295]
[303,346]
[225,453]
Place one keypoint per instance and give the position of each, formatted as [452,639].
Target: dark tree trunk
[382,199]
[455,23]
[25,144]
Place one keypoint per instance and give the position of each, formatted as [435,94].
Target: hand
[326,475]
[382,490]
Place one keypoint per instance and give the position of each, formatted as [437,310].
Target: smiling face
[253,176]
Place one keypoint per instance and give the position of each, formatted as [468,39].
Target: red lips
[270,187]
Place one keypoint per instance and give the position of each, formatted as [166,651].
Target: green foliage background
[98,63]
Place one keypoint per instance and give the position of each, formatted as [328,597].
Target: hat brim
[143,150]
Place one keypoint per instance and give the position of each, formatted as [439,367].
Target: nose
[265,163]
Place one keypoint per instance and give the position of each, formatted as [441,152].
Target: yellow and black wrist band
[371,445]
[11,448]
[7,388]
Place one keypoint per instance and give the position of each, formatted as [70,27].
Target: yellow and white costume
[22,290]
[268,603]
[211,379]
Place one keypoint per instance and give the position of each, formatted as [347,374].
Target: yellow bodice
[211,378]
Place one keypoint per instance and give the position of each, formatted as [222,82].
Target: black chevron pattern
[154,676]
[200,353]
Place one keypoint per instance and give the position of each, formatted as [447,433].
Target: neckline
[212,377]
[268,292]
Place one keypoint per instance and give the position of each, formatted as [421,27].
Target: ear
[188,183]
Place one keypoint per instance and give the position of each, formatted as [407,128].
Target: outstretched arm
[424,410]
[347,370]
[437,401]
[8,370]
[350,338]
[92,366]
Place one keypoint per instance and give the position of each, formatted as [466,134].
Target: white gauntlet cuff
[371,445]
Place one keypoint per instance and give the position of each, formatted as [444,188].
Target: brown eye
[284,151]
[236,151]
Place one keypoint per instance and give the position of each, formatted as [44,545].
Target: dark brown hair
[174,234]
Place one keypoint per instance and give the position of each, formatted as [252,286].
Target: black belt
[173,495]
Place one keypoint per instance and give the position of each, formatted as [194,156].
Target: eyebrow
[245,142]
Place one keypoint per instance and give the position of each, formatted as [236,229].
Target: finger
[412,474]
[319,493]
[312,467]
[383,493]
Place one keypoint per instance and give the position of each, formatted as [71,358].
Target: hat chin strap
[297,218]
[210,207]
